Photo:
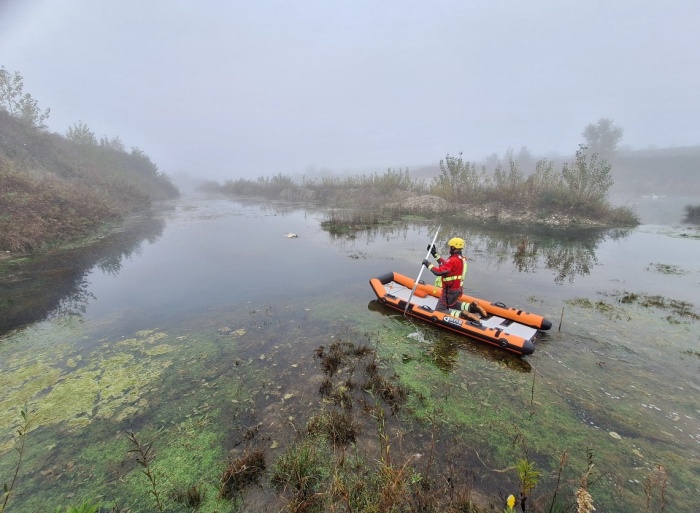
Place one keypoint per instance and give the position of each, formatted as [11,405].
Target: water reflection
[55,284]
[570,253]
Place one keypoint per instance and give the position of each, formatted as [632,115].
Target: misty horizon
[248,90]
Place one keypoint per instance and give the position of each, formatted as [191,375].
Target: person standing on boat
[451,273]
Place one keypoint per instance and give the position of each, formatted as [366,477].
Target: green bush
[587,179]
[508,185]
[458,181]
[692,214]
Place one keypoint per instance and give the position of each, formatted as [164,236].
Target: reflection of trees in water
[111,263]
[74,302]
[56,284]
[569,257]
[570,253]
[388,232]
[279,208]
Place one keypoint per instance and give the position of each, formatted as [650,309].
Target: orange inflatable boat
[508,328]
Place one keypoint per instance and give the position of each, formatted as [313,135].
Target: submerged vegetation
[576,194]
[324,468]
[55,188]
[367,435]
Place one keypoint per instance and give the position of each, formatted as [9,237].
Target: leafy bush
[458,180]
[508,184]
[692,214]
[587,179]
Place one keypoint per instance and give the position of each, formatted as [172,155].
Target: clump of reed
[191,497]
[241,473]
[338,353]
[302,473]
[337,428]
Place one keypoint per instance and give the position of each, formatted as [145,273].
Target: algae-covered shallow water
[197,329]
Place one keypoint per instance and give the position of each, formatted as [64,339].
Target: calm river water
[197,328]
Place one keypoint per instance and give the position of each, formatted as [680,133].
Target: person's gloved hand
[432,249]
[426,263]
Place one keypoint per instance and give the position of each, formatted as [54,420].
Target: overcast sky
[227,89]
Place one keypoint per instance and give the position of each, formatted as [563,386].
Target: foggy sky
[228,89]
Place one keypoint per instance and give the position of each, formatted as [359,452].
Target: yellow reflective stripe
[464,273]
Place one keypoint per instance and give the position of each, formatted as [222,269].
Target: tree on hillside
[115,143]
[79,133]
[602,138]
[19,104]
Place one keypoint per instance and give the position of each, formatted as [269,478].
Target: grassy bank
[53,189]
[574,195]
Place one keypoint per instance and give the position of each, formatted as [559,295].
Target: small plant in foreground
[528,477]
[584,501]
[303,470]
[242,472]
[338,428]
[22,432]
[657,478]
[88,506]
[144,457]
[192,497]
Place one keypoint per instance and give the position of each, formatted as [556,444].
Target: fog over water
[231,89]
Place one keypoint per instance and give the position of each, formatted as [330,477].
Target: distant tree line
[577,189]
